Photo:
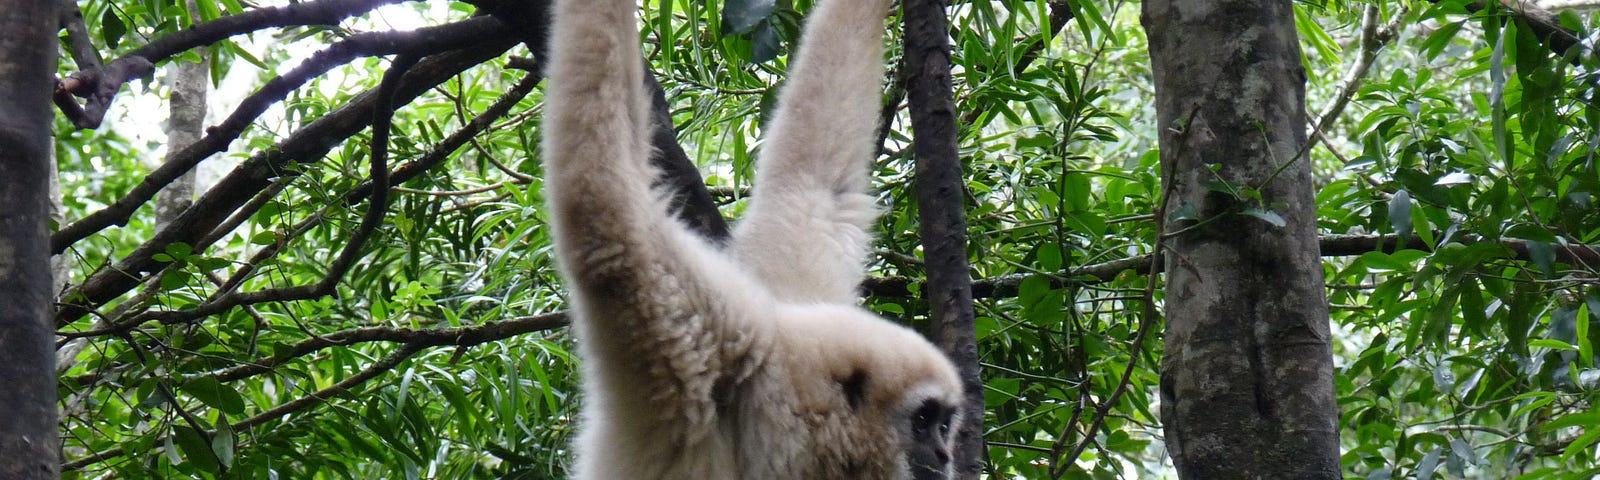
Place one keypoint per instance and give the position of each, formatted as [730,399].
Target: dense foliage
[1454,155]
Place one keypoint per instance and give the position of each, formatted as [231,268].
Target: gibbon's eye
[928,417]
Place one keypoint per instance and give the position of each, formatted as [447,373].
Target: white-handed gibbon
[750,361]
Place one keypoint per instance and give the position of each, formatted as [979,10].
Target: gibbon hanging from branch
[749,361]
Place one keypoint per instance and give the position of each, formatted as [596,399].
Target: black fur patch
[855,388]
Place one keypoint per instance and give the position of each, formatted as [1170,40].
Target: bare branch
[315,398]
[256,173]
[83,51]
[100,85]
[1005,286]
[225,298]
[217,139]
[426,337]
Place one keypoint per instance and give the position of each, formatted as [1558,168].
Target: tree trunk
[943,224]
[190,82]
[1247,378]
[28,444]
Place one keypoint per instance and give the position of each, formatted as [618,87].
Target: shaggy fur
[750,363]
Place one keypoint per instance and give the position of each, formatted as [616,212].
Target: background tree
[28,448]
[1247,377]
[269,330]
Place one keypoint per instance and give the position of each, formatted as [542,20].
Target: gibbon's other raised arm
[805,232]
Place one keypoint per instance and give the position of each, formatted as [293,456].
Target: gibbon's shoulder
[848,341]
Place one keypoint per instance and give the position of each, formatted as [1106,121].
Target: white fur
[701,364]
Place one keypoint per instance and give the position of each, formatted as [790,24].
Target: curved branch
[100,85]
[217,139]
[256,173]
[427,337]
[1005,286]
[377,209]
[315,398]
[224,298]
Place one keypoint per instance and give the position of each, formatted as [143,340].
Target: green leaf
[1400,213]
[173,279]
[222,444]
[666,35]
[179,250]
[1461,449]
[1582,419]
[1439,39]
[1453,178]
[207,264]
[215,395]
[1185,211]
[1581,443]
[1474,316]
[1528,231]
[1042,304]
[1444,380]
[764,45]
[270,213]
[1497,88]
[170,450]
[209,10]
[196,450]
[1542,255]
[352,435]
[111,28]
[1429,463]
[264,238]
[1552,344]
[1582,324]
[1049,257]
[1265,215]
[743,16]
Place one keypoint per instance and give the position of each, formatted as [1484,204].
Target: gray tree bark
[1247,378]
[942,222]
[190,84]
[29,448]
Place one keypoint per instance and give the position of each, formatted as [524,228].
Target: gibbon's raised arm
[656,328]
[805,232]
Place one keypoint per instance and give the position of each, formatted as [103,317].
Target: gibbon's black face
[927,448]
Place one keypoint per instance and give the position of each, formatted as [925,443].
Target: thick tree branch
[433,158]
[1543,23]
[217,139]
[385,364]
[425,337]
[100,85]
[83,51]
[943,224]
[256,173]
[1549,29]
[1060,14]
[377,209]
[1373,37]
[1005,286]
